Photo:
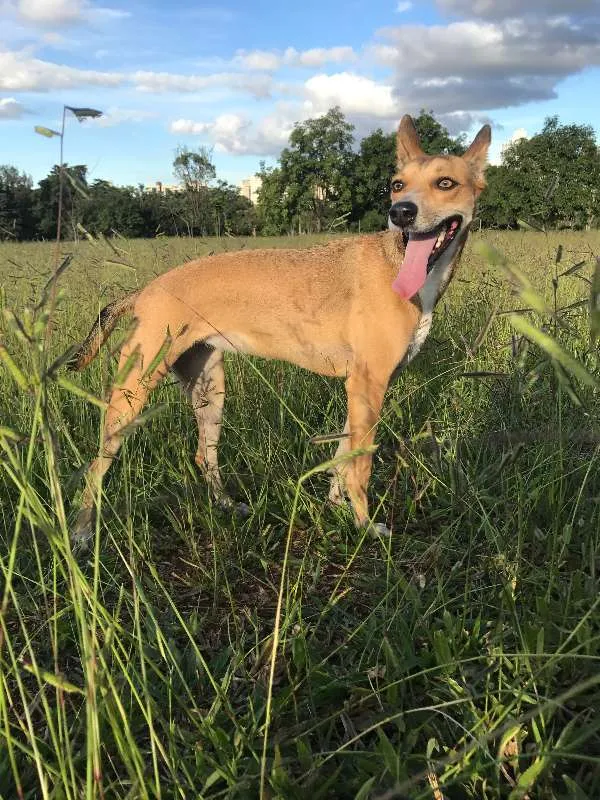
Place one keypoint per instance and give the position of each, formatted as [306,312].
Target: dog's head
[433,203]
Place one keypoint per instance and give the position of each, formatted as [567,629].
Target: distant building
[162,188]
[250,187]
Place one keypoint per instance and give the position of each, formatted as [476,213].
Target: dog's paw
[228,505]
[338,500]
[380,529]
[377,530]
[337,493]
[83,530]
[242,510]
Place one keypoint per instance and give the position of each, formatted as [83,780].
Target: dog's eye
[397,186]
[446,183]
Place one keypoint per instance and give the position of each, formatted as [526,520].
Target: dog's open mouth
[422,250]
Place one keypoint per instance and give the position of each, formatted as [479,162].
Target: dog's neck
[426,299]
[393,245]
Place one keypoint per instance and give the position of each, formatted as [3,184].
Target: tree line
[321,182]
[28,212]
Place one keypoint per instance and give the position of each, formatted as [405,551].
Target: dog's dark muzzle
[403,213]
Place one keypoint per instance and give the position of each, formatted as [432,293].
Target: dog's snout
[403,213]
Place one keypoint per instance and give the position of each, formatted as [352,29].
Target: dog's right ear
[407,142]
[476,155]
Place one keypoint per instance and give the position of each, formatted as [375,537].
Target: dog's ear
[407,142]
[476,155]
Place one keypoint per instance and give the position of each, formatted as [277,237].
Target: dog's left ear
[476,155]
[408,145]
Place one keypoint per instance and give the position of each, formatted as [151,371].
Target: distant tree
[17,218]
[500,204]
[195,170]
[114,208]
[74,198]
[274,217]
[317,171]
[554,177]
[375,166]
[233,213]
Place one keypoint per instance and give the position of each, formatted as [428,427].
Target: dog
[357,308]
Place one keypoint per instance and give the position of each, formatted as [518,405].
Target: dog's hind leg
[126,402]
[201,373]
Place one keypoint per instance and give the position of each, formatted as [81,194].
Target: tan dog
[352,309]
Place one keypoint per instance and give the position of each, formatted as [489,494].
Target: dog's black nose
[403,213]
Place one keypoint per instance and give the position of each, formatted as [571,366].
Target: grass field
[459,659]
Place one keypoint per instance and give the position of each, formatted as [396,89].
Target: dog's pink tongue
[413,272]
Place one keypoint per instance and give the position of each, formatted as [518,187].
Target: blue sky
[236,76]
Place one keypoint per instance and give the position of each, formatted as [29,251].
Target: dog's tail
[100,331]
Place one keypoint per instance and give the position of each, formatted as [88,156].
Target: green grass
[461,657]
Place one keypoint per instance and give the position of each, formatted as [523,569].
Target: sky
[235,76]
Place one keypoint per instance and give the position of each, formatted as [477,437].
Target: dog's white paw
[83,530]
[337,495]
[377,529]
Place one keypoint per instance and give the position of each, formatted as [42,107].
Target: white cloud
[226,126]
[264,60]
[10,108]
[256,85]
[107,14]
[117,116]
[354,93]
[520,133]
[403,6]
[21,73]
[498,148]
[50,11]
[272,60]
[236,134]
[61,12]
[52,38]
[319,56]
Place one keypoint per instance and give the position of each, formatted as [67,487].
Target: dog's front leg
[365,393]
[337,486]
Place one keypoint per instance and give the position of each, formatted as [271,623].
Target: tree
[74,196]
[195,170]
[273,214]
[554,177]
[17,219]
[114,208]
[499,203]
[375,166]
[233,213]
[317,171]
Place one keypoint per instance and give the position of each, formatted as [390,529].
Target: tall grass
[193,654]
